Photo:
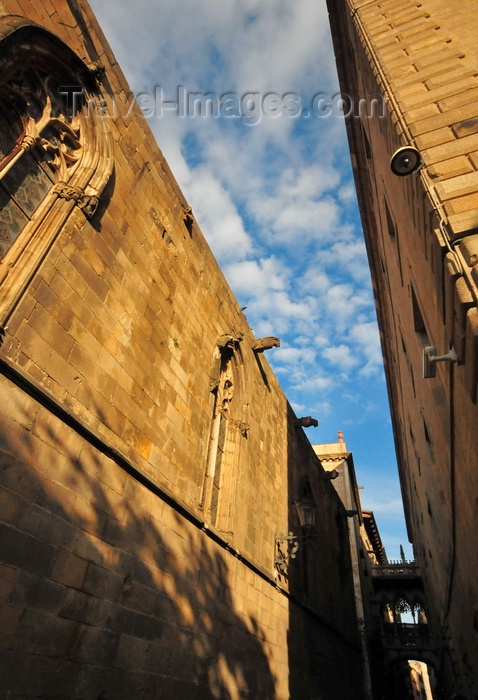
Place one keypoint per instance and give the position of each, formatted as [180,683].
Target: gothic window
[391,225]
[54,153]
[366,142]
[34,153]
[218,445]
[392,229]
[225,434]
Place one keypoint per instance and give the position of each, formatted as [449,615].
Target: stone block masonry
[421,237]
[122,576]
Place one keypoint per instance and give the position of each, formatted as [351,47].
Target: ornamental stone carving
[87,203]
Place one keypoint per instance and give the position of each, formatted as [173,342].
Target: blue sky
[270,184]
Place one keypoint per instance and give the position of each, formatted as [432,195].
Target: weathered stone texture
[116,585]
[420,232]
[101,572]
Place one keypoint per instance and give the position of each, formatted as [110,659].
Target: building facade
[149,459]
[414,155]
[390,601]
[339,465]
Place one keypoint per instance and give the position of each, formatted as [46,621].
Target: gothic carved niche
[228,342]
[218,441]
[242,427]
[226,391]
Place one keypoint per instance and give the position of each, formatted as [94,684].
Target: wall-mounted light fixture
[306,511]
[288,545]
[405,161]
[430,358]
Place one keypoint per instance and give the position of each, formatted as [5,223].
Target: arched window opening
[54,154]
[41,145]
[225,433]
[218,446]
[223,395]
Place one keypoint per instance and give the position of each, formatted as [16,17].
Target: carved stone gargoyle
[266,343]
[307,422]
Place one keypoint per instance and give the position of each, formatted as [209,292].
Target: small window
[392,230]
[425,431]
[391,226]
[366,143]
[418,322]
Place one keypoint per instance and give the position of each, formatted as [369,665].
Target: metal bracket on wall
[287,547]
[430,358]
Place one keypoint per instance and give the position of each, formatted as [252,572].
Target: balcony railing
[406,635]
[396,570]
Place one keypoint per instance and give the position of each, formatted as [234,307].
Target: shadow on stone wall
[324,653]
[106,591]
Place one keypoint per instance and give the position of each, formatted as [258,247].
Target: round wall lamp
[405,161]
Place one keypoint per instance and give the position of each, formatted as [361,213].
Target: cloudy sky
[267,173]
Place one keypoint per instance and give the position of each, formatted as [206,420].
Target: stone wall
[121,575]
[421,236]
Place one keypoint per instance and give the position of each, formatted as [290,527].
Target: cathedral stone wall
[149,458]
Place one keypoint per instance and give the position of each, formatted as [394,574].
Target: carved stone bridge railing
[406,636]
[396,583]
[397,570]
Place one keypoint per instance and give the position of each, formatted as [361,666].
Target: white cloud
[343,302]
[340,356]
[367,337]
[350,256]
[314,280]
[217,214]
[309,181]
[255,278]
[347,194]
[285,313]
[295,356]
[307,383]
